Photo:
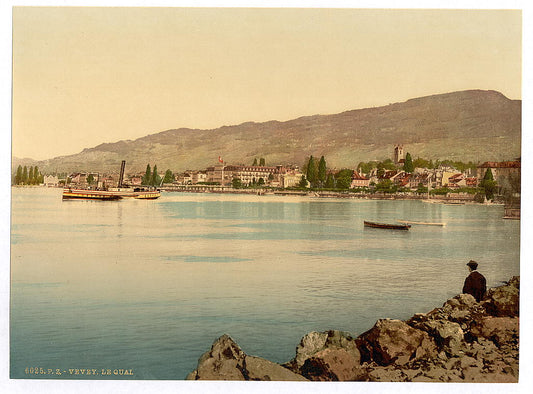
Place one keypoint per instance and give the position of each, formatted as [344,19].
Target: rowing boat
[387,225]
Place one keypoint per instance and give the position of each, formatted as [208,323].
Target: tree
[388,164]
[261,182]
[386,186]
[25,175]
[18,176]
[236,183]
[36,175]
[156,179]
[255,162]
[147,176]
[490,189]
[270,177]
[330,181]
[489,184]
[422,189]
[488,175]
[420,163]
[381,170]
[169,177]
[408,164]
[343,183]
[90,179]
[39,178]
[262,162]
[303,182]
[322,170]
[312,175]
[31,179]
[344,178]
[364,168]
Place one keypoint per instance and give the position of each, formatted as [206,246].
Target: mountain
[468,125]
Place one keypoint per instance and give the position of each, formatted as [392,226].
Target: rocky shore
[463,341]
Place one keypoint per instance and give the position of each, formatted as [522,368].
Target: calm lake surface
[149,285]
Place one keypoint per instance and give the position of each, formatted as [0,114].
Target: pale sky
[83,76]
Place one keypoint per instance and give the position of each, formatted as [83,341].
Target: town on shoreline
[399,177]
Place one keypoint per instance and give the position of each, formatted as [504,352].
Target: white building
[51,180]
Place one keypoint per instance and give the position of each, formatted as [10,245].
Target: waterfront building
[199,177]
[190,177]
[471,182]
[422,178]
[136,180]
[359,180]
[456,181]
[107,182]
[51,180]
[78,178]
[502,171]
[448,178]
[291,177]
[220,174]
[187,178]
[393,175]
[252,174]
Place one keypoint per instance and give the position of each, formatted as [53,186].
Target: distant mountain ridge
[472,125]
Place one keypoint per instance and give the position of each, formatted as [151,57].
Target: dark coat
[476,285]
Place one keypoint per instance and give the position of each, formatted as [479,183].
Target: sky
[87,75]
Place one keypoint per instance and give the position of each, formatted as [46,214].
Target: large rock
[314,342]
[226,361]
[256,368]
[223,362]
[448,335]
[500,330]
[332,364]
[504,300]
[394,341]
[462,309]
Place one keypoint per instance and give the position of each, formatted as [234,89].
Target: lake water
[148,286]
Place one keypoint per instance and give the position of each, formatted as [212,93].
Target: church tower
[398,154]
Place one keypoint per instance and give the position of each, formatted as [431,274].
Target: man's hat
[472,264]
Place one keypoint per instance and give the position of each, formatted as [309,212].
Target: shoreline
[461,199]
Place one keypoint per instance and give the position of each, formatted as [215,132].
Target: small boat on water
[387,226]
[421,223]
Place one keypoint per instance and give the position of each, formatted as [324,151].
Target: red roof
[500,164]
[456,177]
[471,181]
[357,176]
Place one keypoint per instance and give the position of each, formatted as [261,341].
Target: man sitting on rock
[475,283]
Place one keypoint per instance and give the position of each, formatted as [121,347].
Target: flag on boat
[220,159]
